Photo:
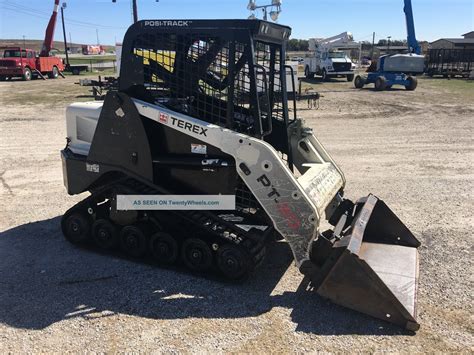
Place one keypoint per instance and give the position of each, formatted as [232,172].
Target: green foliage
[297,45]
[393,42]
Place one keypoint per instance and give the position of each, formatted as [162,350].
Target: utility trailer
[212,119]
[450,62]
[76,69]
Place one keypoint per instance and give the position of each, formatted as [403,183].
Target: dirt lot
[413,149]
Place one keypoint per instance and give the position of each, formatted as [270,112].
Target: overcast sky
[308,18]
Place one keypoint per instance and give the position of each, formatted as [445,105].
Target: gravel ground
[413,149]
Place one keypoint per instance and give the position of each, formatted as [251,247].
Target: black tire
[307,73]
[234,262]
[76,228]
[133,241]
[164,248]
[324,75]
[413,83]
[380,83]
[350,77]
[76,71]
[105,234]
[54,74]
[3,78]
[196,254]
[359,82]
[27,75]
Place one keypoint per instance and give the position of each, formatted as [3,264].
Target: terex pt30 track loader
[202,109]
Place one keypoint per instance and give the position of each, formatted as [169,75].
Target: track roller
[196,254]
[76,228]
[234,262]
[133,241]
[164,248]
[105,234]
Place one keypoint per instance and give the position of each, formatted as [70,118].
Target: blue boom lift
[397,69]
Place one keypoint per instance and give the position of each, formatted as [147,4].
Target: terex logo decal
[159,23]
[194,128]
[164,118]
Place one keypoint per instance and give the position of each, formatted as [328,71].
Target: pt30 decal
[284,209]
[273,193]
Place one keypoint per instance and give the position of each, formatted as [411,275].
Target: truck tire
[350,77]
[413,83]
[307,73]
[380,84]
[359,82]
[27,74]
[324,75]
[54,74]
[3,78]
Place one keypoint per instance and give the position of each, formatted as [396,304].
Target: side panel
[120,138]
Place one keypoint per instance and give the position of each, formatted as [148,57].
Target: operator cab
[227,72]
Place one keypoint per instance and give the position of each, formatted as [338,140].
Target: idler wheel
[133,241]
[76,228]
[234,262]
[164,248]
[105,234]
[196,254]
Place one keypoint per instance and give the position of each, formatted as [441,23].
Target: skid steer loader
[202,109]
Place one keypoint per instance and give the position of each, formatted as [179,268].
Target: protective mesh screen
[229,83]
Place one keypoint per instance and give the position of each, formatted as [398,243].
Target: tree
[297,45]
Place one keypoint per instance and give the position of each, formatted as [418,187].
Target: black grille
[7,63]
[341,66]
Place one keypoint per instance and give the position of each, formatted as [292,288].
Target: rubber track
[208,222]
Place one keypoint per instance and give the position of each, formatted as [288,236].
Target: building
[469,35]
[455,43]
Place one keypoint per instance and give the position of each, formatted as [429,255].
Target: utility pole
[97,33]
[373,44]
[64,33]
[70,39]
[24,42]
[135,11]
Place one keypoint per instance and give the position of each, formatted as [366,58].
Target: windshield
[337,55]
[14,54]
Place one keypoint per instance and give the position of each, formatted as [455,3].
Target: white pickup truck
[328,59]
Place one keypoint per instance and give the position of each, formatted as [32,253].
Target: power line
[16,8]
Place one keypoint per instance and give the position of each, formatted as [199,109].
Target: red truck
[26,63]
